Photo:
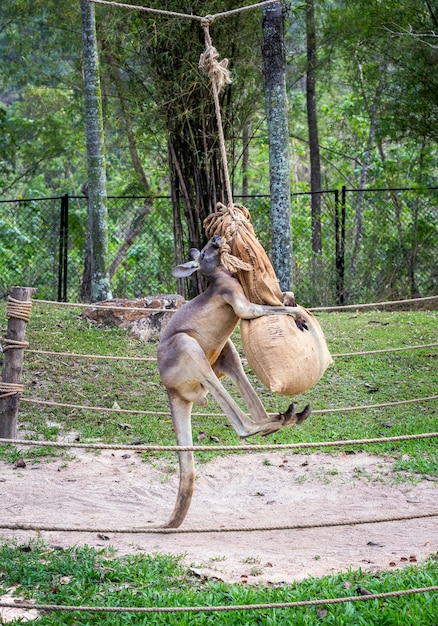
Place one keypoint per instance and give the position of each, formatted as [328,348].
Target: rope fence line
[371,305]
[109,307]
[215,448]
[362,407]
[157,530]
[98,356]
[152,358]
[346,307]
[220,608]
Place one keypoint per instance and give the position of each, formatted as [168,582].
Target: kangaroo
[195,351]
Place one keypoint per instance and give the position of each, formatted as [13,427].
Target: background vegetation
[377,119]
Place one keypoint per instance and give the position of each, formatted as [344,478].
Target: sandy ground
[114,490]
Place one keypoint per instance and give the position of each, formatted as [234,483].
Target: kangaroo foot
[289,418]
[292,417]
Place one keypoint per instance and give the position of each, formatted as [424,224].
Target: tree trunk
[274,64]
[138,220]
[245,158]
[88,260]
[358,209]
[100,285]
[312,120]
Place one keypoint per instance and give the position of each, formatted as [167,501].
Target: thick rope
[111,307]
[152,358]
[156,530]
[10,389]
[140,412]
[13,344]
[94,356]
[219,76]
[19,309]
[188,16]
[385,350]
[313,309]
[240,448]
[371,305]
[220,608]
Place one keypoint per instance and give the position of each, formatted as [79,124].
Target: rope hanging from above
[219,76]
[285,359]
[232,221]
[216,70]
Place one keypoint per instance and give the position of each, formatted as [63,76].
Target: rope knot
[229,261]
[217,71]
[207,21]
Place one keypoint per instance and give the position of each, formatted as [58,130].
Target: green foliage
[42,147]
[373,69]
[350,382]
[86,576]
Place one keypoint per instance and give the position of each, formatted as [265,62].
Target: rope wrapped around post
[18,309]
[18,312]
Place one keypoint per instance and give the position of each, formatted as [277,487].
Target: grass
[89,577]
[350,381]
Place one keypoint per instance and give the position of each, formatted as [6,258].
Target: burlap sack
[285,359]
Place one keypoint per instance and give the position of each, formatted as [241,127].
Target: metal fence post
[340,246]
[63,250]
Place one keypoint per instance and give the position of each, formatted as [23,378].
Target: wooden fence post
[18,313]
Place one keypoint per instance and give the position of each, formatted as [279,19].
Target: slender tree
[97,209]
[372,109]
[312,120]
[274,65]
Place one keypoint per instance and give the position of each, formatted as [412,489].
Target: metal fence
[43,240]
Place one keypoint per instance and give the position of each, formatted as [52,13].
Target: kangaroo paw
[304,414]
[291,418]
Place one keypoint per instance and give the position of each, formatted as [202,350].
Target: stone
[127,314]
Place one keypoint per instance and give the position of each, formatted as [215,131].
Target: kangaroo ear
[186,269]
[194,254]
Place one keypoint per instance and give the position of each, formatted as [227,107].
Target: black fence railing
[43,244]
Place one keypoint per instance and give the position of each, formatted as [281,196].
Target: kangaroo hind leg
[181,415]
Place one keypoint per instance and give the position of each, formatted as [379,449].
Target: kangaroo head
[206,261]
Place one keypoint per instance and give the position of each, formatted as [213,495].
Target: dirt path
[118,490]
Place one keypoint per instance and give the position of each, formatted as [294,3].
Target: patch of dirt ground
[116,490]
